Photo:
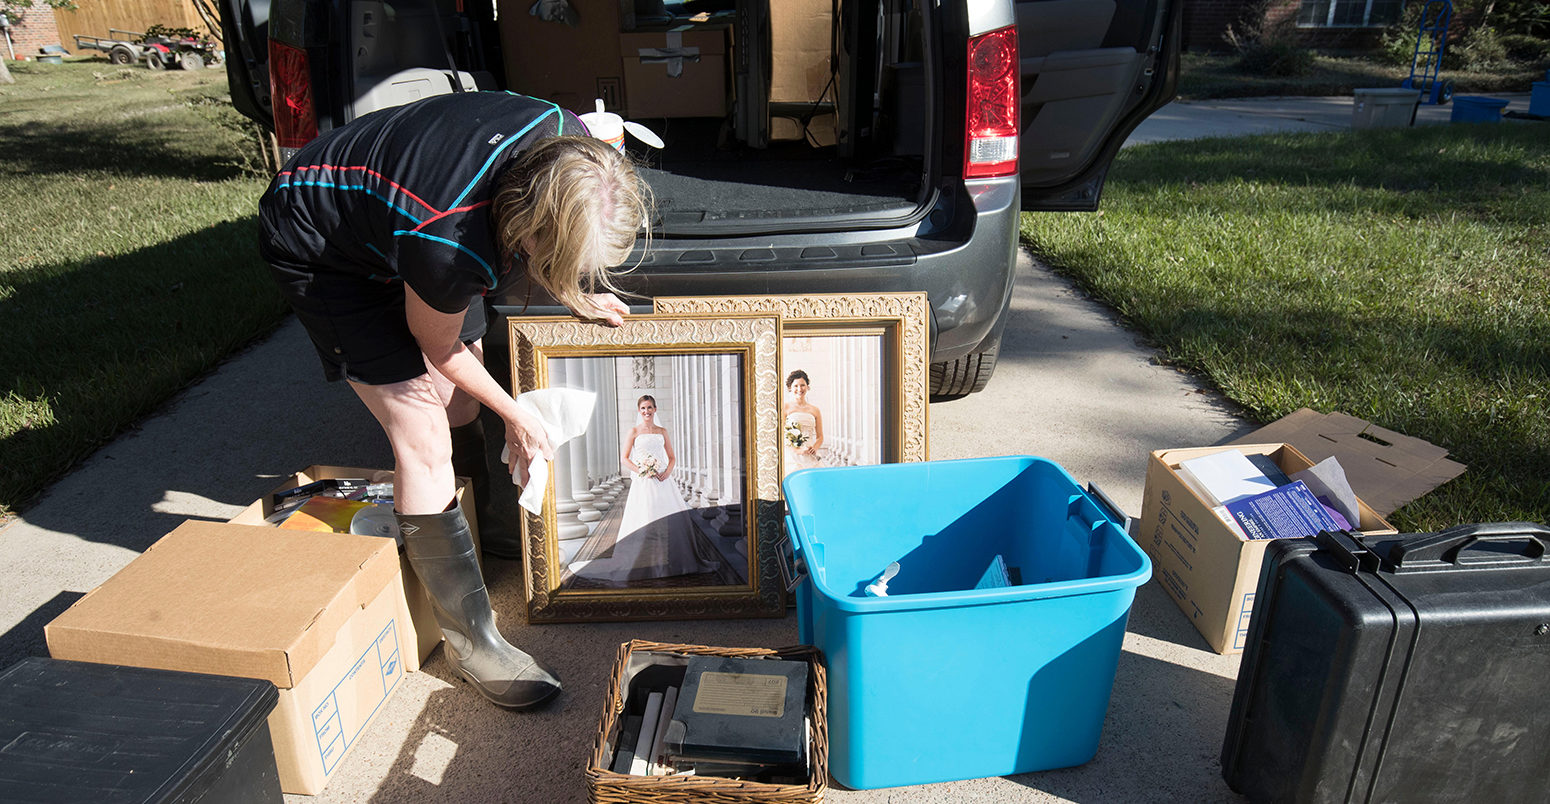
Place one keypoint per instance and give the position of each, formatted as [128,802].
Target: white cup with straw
[610,128]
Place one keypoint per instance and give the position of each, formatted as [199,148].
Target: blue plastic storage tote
[940,680]
[1477,109]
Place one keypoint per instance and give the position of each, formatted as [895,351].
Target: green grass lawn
[1397,275]
[127,203]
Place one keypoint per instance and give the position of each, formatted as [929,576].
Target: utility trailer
[158,52]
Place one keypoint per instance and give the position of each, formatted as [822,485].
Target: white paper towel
[564,413]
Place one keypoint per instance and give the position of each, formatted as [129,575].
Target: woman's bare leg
[414,416]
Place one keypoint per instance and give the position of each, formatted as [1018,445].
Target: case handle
[1446,545]
[793,570]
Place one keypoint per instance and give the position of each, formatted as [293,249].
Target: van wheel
[957,379]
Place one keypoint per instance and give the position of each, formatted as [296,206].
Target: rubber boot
[500,535]
[441,551]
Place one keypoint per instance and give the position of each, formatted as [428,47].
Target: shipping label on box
[321,717]
[1208,568]
[320,615]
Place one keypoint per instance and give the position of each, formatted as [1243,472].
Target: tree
[15,10]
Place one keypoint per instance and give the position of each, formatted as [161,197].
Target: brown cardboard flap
[1386,469]
[228,599]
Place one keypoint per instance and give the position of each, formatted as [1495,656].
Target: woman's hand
[606,309]
[526,441]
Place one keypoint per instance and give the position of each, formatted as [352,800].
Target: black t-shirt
[404,194]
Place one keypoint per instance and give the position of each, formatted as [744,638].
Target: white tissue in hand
[564,413]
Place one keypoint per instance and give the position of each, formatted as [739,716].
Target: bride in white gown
[806,418]
[656,532]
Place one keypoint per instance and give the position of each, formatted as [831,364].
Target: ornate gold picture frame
[666,510]
[865,359]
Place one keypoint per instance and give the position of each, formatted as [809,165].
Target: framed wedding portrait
[665,507]
[854,373]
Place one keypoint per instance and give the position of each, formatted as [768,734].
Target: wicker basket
[606,787]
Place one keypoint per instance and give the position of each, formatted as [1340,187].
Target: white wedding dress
[656,533]
[795,460]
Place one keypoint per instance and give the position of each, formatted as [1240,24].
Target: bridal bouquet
[646,466]
[794,435]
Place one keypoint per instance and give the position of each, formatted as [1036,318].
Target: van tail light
[991,146]
[290,91]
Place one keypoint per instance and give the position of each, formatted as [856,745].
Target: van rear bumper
[966,270]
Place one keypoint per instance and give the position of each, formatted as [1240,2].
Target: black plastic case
[81,732]
[1412,668]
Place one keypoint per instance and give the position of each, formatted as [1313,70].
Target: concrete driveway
[1072,386]
[1066,388]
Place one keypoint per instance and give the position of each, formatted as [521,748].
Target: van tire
[956,379]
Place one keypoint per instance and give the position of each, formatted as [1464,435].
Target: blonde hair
[579,204]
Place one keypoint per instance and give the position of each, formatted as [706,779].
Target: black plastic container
[1412,668]
[81,732]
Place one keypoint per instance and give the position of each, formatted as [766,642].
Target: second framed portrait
[854,373]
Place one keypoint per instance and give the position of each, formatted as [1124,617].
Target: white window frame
[1335,5]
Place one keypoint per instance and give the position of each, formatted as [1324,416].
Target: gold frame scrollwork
[903,318]
[755,339]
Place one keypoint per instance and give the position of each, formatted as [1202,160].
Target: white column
[715,398]
[573,377]
[702,432]
[732,446]
[604,416]
[595,465]
[568,525]
[680,388]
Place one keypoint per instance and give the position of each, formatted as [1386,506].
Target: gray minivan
[812,146]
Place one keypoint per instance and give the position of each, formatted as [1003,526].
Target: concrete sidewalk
[1072,386]
[1182,120]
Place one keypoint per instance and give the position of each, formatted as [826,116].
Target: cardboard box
[571,66]
[320,615]
[800,35]
[676,73]
[1385,468]
[1208,569]
[422,616]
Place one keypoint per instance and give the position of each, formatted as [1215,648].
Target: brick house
[31,29]
[1324,24]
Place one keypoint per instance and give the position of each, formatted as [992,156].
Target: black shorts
[358,326]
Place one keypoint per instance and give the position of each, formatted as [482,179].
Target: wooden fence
[95,17]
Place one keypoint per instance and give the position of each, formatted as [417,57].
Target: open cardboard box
[320,615]
[1209,569]
[1385,468]
[427,633]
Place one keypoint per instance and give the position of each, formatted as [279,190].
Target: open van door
[245,33]
[1092,70]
